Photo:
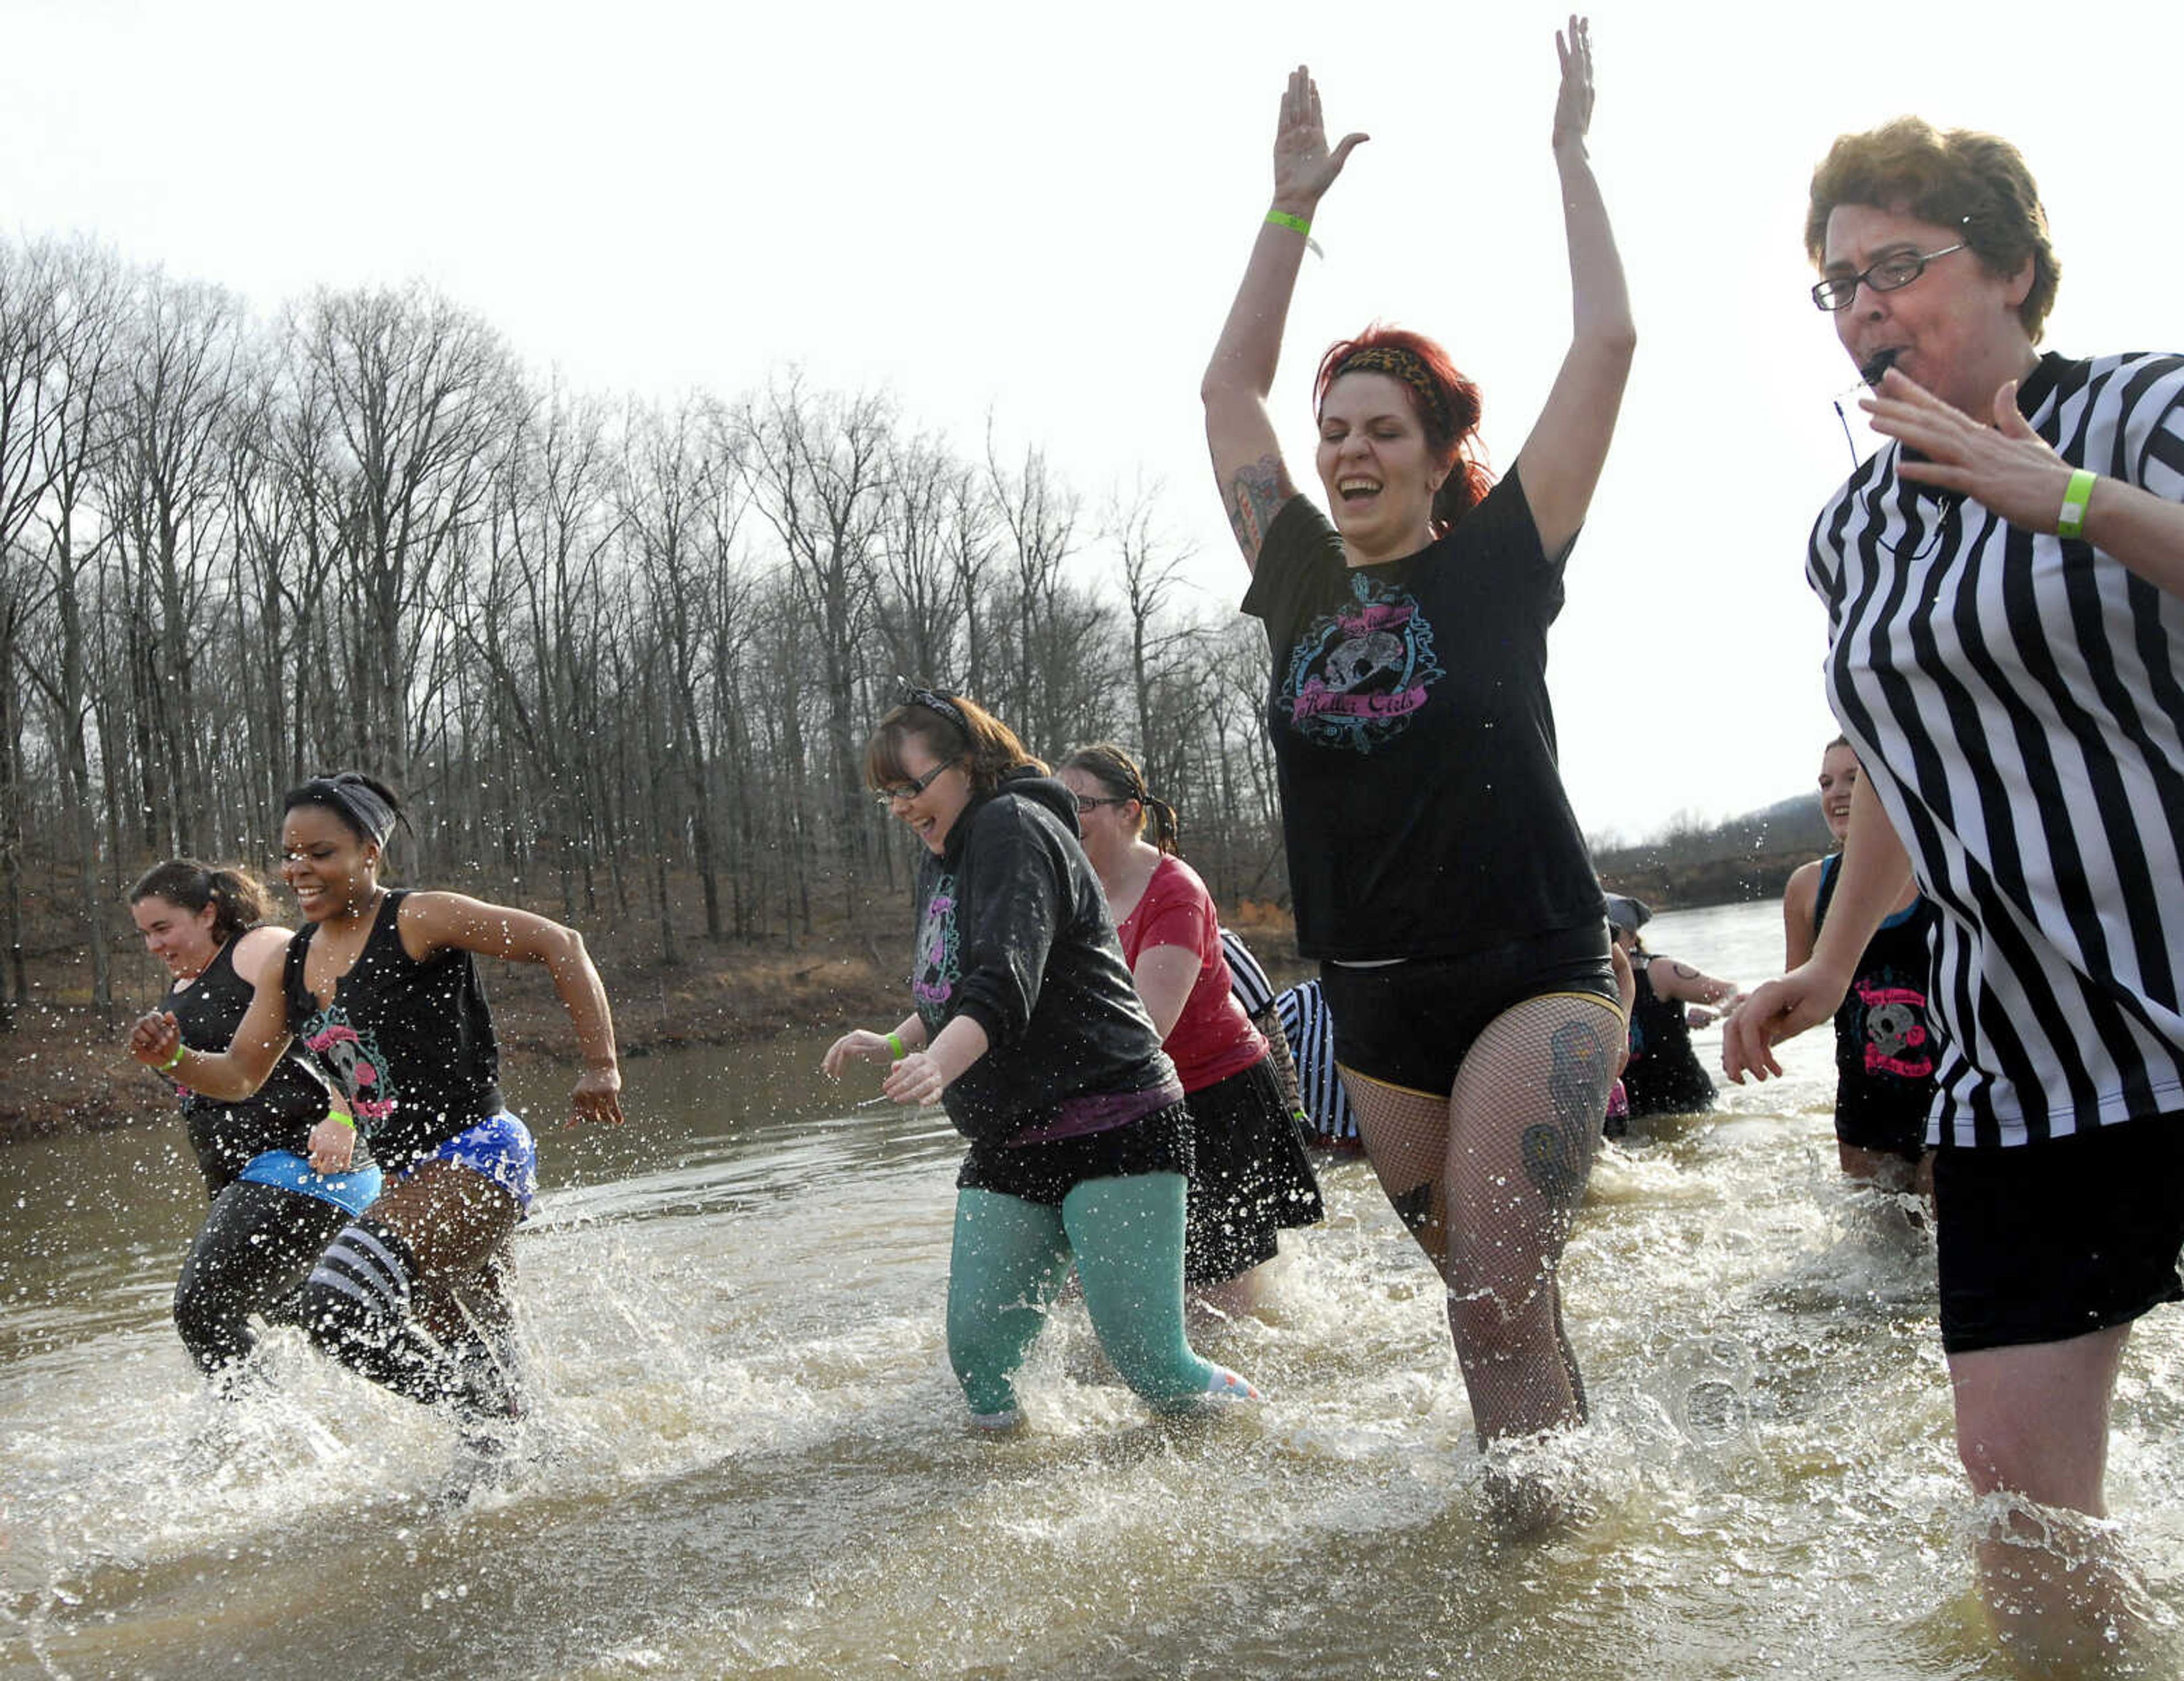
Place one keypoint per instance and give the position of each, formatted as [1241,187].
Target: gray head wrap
[355,798]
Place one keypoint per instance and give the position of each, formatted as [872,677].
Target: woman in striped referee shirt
[2001,580]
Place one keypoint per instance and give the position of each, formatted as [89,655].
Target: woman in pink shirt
[1251,1177]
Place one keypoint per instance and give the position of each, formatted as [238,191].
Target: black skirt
[1249,1178]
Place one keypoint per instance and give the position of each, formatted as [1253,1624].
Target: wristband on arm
[2076,495]
[896,1045]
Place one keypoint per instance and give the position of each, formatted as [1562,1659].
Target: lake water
[749,1457]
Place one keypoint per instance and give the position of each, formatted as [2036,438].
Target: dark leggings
[415,1294]
[252,1256]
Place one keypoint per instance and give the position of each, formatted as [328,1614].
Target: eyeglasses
[1896,269]
[904,793]
[1093,802]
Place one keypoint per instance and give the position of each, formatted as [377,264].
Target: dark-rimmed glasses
[904,793]
[1892,273]
[1093,802]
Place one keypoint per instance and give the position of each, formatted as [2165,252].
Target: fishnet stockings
[1489,1184]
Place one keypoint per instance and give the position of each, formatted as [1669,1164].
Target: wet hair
[951,726]
[367,805]
[1115,770]
[1445,401]
[243,901]
[1954,178]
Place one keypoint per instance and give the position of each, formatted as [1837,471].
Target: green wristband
[343,1116]
[173,1062]
[1282,219]
[2076,495]
[896,1045]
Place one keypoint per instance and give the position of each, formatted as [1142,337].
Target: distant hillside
[1745,858]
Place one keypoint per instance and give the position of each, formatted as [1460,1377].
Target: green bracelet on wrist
[1282,219]
[343,1116]
[2076,495]
[896,1045]
[173,1062]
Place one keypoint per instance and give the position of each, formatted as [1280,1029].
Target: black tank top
[227,1137]
[1663,1075]
[410,1044]
[1884,1036]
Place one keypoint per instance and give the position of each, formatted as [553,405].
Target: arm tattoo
[1256,494]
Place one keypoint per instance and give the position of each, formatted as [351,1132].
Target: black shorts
[1250,1177]
[2054,1240]
[1898,1129]
[1411,1024]
[1045,1173]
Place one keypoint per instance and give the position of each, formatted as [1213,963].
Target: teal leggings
[1011,1257]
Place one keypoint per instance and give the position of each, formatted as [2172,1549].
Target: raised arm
[435,921]
[1562,458]
[1247,462]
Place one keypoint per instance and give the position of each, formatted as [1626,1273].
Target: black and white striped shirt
[1309,1026]
[1247,982]
[2018,703]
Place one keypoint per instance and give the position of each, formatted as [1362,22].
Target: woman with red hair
[1435,867]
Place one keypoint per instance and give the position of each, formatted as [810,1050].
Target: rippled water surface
[749,1457]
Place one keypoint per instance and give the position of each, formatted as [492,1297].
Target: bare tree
[418,394]
[820,469]
[166,500]
[89,301]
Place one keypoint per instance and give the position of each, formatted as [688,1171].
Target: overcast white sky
[1040,213]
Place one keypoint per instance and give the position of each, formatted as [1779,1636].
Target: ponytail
[241,900]
[1115,770]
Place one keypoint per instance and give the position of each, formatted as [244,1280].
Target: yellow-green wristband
[896,1045]
[343,1116]
[1282,219]
[2076,495]
[173,1062]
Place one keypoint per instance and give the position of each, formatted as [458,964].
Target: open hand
[1768,1015]
[1574,98]
[2007,466]
[916,1079]
[859,1044]
[1304,169]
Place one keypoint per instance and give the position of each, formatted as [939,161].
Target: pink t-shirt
[1213,1037]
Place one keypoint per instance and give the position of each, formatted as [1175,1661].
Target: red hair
[1445,400]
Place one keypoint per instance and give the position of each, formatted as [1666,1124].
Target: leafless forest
[619,657]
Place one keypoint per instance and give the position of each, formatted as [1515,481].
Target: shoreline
[63,1068]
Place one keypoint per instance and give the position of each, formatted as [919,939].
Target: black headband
[356,800]
[932,702]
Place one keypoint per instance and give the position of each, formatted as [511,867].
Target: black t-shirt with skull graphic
[1414,739]
[1885,1042]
